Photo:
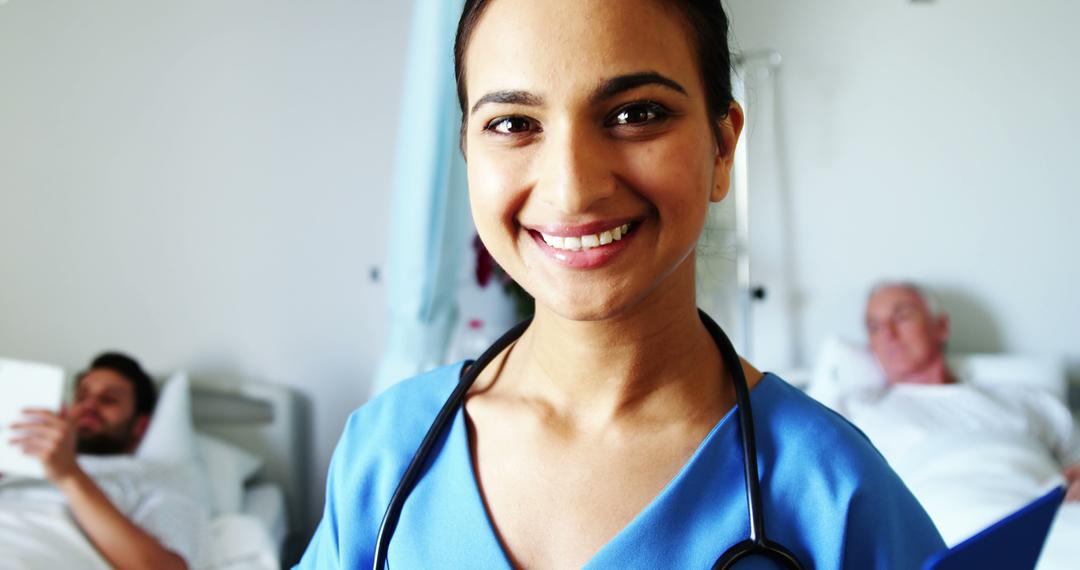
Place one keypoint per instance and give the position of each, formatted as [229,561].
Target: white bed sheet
[40,534]
[37,530]
[974,455]
[240,542]
[266,502]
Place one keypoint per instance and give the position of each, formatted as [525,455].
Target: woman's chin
[584,306]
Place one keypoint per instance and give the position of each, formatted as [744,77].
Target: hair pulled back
[707,22]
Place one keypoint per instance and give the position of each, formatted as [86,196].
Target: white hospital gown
[973,454]
[156,498]
[903,418]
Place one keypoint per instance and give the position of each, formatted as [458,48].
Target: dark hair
[129,369]
[706,19]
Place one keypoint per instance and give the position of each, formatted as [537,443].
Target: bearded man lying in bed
[970,453]
[133,526]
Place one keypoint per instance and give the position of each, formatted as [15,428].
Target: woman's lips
[586,246]
[578,230]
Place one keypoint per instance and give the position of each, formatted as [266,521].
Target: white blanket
[37,530]
[37,534]
[973,455]
[42,534]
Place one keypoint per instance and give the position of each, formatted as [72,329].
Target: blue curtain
[429,205]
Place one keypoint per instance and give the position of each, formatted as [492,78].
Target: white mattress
[239,542]
[266,502]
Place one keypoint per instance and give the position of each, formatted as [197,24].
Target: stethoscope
[756,545]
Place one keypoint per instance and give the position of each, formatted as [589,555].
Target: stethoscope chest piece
[750,549]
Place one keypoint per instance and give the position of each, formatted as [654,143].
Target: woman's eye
[638,114]
[510,125]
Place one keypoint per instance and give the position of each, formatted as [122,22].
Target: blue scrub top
[829,496]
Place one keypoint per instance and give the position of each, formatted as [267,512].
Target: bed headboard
[267,420]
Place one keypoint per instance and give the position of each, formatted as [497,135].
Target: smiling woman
[614,429]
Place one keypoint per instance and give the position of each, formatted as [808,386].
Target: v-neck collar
[460,449]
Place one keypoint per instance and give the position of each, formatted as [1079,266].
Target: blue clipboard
[1015,541]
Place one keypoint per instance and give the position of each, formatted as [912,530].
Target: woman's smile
[583,246]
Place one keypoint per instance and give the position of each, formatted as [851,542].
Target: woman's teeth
[586,241]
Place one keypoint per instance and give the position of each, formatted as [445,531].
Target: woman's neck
[654,360]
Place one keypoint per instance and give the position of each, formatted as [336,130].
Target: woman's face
[591,158]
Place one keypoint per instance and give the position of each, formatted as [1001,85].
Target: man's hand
[51,438]
[1072,478]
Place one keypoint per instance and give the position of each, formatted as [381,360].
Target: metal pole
[744,63]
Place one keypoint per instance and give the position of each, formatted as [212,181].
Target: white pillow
[169,441]
[1043,373]
[226,468]
[844,367]
[170,438]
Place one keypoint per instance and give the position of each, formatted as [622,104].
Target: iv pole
[768,60]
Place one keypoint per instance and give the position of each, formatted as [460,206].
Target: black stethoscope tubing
[756,545]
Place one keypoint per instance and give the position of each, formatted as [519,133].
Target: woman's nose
[576,172]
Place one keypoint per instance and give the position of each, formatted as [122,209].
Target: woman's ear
[727,136]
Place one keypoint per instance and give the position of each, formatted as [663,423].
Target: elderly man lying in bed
[971,453]
[132,521]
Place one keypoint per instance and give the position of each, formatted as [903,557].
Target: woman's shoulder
[381,436]
[820,447]
[813,428]
[836,470]
[376,446]
[403,412]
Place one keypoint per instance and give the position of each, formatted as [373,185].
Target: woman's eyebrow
[607,89]
[511,97]
[612,87]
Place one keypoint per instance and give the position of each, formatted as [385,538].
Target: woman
[596,133]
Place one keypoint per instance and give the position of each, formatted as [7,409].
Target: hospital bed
[236,449]
[269,422]
[966,479]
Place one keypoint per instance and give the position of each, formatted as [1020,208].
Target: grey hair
[933,304]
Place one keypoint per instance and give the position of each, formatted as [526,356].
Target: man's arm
[1072,482]
[124,545]
[1070,458]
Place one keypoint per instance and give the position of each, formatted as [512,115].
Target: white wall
[932,140]
[204,184]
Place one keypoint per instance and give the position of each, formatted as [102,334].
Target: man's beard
[116,442]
